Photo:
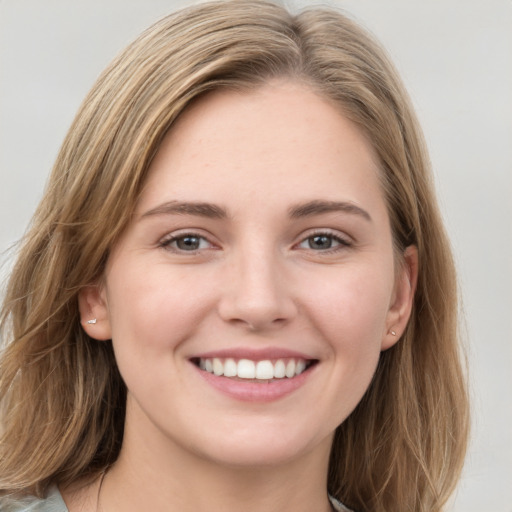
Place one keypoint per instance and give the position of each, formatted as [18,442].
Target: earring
[93,321]
[393,333]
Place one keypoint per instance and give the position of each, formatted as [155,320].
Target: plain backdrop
[455,57]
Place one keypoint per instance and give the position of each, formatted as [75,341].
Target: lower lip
[254,391]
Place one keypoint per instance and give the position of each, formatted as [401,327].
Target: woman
[237,292]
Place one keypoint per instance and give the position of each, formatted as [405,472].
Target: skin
[256,279]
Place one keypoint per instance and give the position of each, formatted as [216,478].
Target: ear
[403,298]
[94,314]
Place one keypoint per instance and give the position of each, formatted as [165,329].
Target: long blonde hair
[62,399]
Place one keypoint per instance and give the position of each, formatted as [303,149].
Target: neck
[153,473]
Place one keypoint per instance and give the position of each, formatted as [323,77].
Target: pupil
[188,243]
[320,242]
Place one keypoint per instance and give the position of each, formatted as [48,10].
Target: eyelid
[344,240]
[166,241]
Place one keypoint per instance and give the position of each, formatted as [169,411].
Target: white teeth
[300,367]
[248,369]
[279,369]
[218,367]
[230,368]
[290,369]
[264,370]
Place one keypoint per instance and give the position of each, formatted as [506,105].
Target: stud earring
[93,321]
[393,333]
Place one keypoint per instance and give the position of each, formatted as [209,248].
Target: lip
[259,354]
[250,391]
[253,391]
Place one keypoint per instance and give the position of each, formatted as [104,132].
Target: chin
[251,448]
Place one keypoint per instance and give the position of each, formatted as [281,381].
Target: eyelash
[341,243]
[167,242]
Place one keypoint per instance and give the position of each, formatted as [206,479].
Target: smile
[262,370]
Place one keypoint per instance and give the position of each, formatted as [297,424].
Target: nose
[257,293]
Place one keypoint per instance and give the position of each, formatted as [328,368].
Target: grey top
[54,503]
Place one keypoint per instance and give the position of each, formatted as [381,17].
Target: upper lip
[254,354]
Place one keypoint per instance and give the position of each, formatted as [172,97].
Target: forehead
[281,141]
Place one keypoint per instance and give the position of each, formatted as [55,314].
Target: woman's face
[260,248]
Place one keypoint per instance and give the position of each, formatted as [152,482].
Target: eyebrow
[318,207]
[187,208]
[209,210]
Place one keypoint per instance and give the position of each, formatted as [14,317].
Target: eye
[188,242]
[323,242]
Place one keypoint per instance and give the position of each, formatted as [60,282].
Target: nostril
[256,326]
[257,315]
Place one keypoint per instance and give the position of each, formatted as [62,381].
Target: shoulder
[52,503]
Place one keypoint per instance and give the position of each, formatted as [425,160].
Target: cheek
[151,313]
[350,308]
[346,311]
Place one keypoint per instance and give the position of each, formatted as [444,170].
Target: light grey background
[455,57]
